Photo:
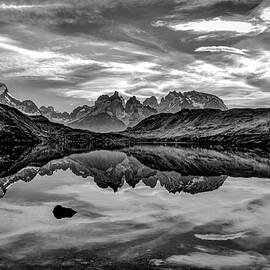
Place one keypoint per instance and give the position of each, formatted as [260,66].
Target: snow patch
[197,104]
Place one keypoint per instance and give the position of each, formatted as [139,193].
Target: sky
[66,53]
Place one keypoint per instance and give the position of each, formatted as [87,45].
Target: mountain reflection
[176,169]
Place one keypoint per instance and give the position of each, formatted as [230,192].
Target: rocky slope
[239,127]
[26,106]
[16,127]
[19,128]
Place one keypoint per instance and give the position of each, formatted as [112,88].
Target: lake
[142,207]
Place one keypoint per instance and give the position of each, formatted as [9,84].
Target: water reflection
[129,213]
[176,169]
[113,169]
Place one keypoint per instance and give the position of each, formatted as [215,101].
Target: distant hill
[207,126]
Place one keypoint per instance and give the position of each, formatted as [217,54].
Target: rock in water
[62,212]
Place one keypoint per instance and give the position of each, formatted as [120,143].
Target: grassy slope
[235,126]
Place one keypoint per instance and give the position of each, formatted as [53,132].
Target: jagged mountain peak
[115,94]
[105,98]
[3,89]
[192,92]
[104,116]
[25,106]
[136,111]
[151,102]
[133,105]
[175,93]
[176,101]
[101,99]
[133,99]
[51,114]
[196,93]
[172,95]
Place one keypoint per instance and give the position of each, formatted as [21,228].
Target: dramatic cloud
[215,25]
[19,7]
[221,49]
[265,15]
[70,52]
[214,261]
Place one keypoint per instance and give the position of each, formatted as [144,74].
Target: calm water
[137,208]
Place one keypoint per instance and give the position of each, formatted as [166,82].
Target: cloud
[265,14]
[136,47]
[20,7]
[25,62]
[218,261]
[189,5]
[215,25]
[222,49]
[141,67]
[9,44]
[221,237]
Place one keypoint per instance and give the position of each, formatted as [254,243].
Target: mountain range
[113,113]
[235,127]
[17,128]
[205,127]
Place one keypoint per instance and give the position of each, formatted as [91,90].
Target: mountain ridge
[26,106]
[114,113]
[241,127]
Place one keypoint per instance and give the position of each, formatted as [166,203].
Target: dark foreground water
[137,208]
